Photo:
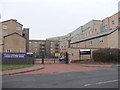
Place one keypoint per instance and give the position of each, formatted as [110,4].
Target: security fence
[56,58]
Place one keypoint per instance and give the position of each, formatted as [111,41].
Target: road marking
[87,85]
[107,82]
[101,83]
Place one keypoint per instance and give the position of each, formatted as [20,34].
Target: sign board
[29,52]
[14,55]
[57,54]
[85,51]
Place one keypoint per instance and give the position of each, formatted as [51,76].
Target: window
[95,30]
[23,34]
[77,45]
[51,49]
[104,27]
[4,26]
[18,28]
[51,52]
[36,46]
[56,48]
[90,42]
[89,32]
[51,42]
[4,33]
[72,54]
[119,19]
[42,43]
[101,40]
[51,46]
[42,47]
[113,22]
[8,50]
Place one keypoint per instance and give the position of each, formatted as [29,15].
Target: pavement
[97,65]
[54,68]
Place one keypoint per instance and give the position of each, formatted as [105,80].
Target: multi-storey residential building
[76,34]
[52,47]
[92,35]
[109,23]
[13,39]
[47,47]
[63,43]
[38,47]
[90,28]
[107,36]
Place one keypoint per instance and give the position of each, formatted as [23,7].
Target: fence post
[66,54]
[42,58]
[54,60]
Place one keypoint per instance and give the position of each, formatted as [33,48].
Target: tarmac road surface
[100,78]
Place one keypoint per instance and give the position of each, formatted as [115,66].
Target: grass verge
[12,67]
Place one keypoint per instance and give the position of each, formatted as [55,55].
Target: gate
[54,60]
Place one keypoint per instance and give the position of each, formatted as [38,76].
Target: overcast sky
[50,18]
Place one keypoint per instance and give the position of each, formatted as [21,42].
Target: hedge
[106,55]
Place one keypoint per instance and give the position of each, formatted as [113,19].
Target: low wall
[17,58]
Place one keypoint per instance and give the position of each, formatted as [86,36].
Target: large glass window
[104,27]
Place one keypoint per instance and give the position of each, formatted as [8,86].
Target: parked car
[62,58]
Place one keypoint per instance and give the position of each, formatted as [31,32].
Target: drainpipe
[69,43]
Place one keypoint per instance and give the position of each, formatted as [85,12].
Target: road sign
[57,54]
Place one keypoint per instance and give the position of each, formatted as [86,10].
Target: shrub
[106,55]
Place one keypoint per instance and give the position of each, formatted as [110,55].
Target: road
[100,78]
